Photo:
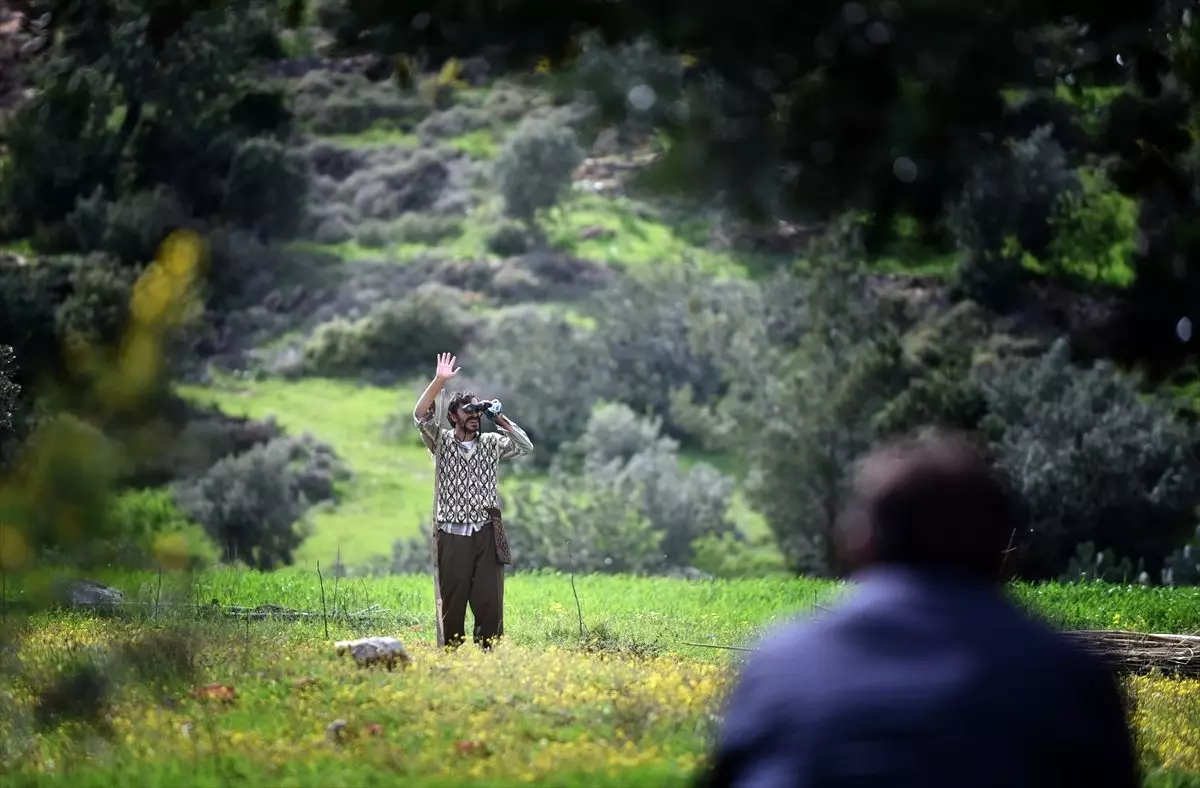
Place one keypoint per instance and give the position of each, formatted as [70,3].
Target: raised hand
[445,366]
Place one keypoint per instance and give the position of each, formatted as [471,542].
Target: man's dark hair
[932,501]
[457,400]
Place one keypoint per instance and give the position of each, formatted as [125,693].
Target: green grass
[629,703]
[639,239]
[480,144]
[380,135]
[655,612]
[392,493]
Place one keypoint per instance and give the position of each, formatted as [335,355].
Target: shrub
[419,228]
[731,555]
[329,102]
[548,400]
[29,298]
[637,81]
[450,123]
[40,182]
[98,305]
[154,530]
[131,228]
[534,168]
[266,189]
[649,329]
[1094,232]
[624,453]
[508,104]
[373,234]
[394,337]
[508,239]
[572,524]
[334,229]
[1095,459]
[332,161]
[1006,211]
[389,191]
[251,505]
[615,433]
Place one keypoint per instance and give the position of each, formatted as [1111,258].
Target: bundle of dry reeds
[1140,652]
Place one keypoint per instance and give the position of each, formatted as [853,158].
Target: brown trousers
[470,575]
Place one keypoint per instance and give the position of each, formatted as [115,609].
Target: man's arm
[514,443]
[427,417]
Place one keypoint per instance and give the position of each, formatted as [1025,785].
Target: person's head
[931,501]
[468,421]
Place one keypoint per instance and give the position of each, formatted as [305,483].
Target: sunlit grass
[609,230]
[380,135]
[628,704]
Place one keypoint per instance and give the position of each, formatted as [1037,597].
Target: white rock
[376,650]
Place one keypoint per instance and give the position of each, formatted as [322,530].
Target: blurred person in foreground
[926,675]
[469,536]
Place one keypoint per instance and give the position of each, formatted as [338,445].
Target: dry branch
[1141,652]
[1125,652]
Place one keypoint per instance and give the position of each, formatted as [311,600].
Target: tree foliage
[135,96]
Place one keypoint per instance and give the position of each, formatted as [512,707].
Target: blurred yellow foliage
[58,491]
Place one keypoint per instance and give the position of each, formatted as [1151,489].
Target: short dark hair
[932,500]
[458,399]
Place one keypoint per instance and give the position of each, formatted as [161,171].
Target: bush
[731,555]
[1006,211]
[572,524]
[131,228]
[450,123]
[29,299]
[508,104]
[395,337]
[389,191]
[333,161]
[623,453]
[508,239]
[266,189]
[426,229]
[650,332]
[373,234]
[329,102]
[98,306]
[548,399]
[615,433]
[334,230]
[1094,232]
[610,76]
[534,168]
[154,530]
[50,159]
[1095,459]
[251,505]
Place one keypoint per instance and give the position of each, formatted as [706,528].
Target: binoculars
[489,408]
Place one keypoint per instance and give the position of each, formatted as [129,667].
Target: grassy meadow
[192,699]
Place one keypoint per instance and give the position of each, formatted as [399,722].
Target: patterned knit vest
[468,483]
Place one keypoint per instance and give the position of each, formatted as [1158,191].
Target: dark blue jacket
[917,681]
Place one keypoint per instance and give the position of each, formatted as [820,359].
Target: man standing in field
[927,676]
[467,556]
